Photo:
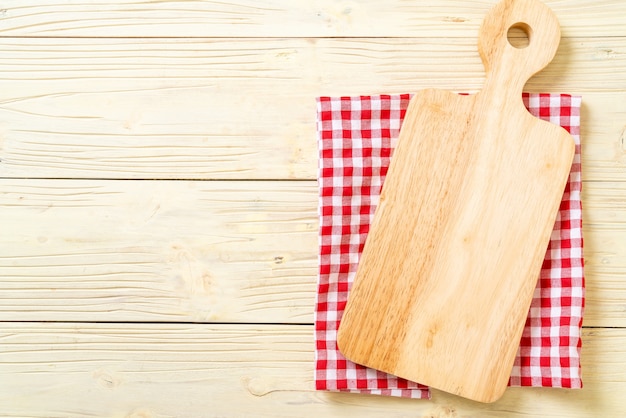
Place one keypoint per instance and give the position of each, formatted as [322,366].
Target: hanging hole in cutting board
[519,35]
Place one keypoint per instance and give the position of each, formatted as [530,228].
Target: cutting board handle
[508,67]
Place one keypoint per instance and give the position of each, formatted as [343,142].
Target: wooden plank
[285,18]
[157,251]
[604,232]
[143,370]
[603,136]
[233,109]
[209,251]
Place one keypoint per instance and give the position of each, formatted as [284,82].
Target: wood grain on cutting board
[453,255]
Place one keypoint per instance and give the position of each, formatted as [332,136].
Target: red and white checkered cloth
[356,137]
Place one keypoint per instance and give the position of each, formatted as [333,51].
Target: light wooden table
[158,244]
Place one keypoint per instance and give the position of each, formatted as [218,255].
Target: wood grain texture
[453,254]
[284,18]
[157,251]
[159,108]
[210,251]
[142,370]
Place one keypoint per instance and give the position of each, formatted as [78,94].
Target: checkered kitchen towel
[356,138]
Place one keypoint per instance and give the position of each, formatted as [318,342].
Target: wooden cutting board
[453,255]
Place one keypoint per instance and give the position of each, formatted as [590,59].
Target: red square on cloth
[356,138]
